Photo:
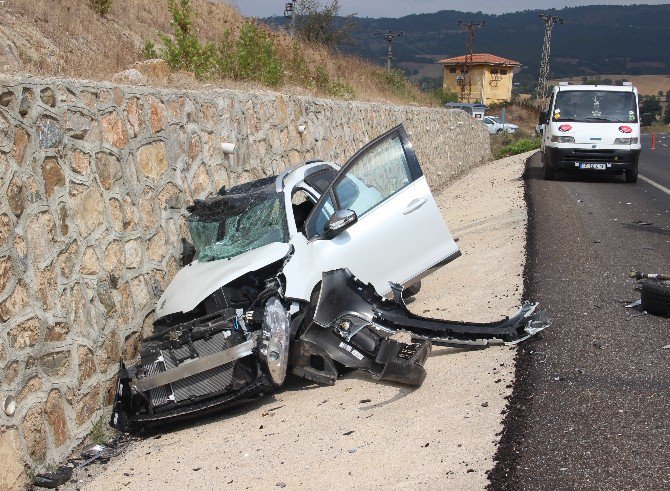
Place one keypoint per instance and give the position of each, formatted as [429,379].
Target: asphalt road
[655,164]
[591,403]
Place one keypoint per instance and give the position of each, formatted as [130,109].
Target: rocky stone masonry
[95,178]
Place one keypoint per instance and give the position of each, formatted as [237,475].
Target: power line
[549,22]
[412,46]
[389,36]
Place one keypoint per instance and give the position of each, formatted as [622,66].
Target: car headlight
[625,141]
[563,139]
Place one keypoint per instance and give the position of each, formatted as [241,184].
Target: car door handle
[414,205]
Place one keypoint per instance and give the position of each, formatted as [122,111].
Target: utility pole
[389,36]
[466,81]
[289,12]
[549,22]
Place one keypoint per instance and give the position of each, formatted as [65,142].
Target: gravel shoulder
[360,434]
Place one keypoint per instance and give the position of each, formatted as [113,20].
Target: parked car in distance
[494,125]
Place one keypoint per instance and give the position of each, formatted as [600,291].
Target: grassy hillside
[67,38]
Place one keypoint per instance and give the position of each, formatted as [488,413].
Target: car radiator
[202,384]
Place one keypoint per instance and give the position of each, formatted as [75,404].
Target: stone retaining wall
[95,179]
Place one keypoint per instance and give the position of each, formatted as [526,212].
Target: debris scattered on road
[636,303]
[654,293]
[52,480]
[638,275]
[640,222]
[95,451]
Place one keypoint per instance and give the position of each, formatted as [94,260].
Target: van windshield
[593,106]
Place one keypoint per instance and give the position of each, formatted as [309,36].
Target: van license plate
[583,165]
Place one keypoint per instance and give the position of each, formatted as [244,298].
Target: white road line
[655,184]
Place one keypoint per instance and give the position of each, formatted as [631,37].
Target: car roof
[296,175]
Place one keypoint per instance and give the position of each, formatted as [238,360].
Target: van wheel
[548,172]
[631,176]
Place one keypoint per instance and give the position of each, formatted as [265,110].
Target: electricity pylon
[466,81]
[549,22]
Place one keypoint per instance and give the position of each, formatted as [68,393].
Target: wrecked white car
[302,272]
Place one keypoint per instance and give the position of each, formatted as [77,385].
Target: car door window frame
[415,172]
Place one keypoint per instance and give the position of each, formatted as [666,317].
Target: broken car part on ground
[302,272]
[654,292]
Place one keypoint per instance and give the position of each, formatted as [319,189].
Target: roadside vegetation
[525,115]
[213,46]
[101,7]
[507,144]
[252,54]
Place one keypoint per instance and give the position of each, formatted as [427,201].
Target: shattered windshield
[243,218]
[593,106]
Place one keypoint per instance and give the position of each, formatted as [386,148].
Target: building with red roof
[491,77]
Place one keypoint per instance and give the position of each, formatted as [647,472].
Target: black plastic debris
[52,480]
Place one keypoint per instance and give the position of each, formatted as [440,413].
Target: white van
[592,127]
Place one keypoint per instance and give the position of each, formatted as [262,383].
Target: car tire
[499,131]
[411,290]
[631,176]
[548,171]
[655,297]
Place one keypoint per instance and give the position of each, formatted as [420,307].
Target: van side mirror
[544,117]
[340,220]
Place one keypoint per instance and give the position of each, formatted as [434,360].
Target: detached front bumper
[615,160]
[354,327]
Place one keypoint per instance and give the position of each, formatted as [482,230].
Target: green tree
[651,104]
[666,118]
[185,51]
[252,57]
[445,96]
[323,25]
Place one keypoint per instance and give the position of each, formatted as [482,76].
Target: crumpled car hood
[195,282]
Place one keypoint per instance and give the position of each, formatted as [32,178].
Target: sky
[399,8]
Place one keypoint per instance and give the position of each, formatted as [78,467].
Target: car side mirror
[544,117]
[340,220]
